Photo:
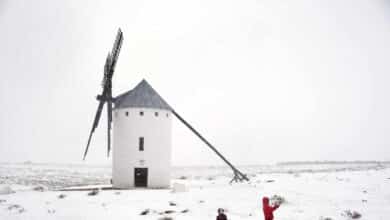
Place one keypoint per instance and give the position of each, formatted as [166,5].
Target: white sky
[264,81]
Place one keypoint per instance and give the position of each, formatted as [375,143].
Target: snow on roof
[142,96]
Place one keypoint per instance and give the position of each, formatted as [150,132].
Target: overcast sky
[263,80]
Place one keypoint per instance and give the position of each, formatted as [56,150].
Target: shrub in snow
[210,178]
[179,187]
[4,190]
[172,203]
[183,177]
[94,192]
[15,206]
[351,214]
[61,196]
[165,218]
[276,199]
[2,200]
[185,211]
[325,218]
[40,188]
[145,212]
[169,211]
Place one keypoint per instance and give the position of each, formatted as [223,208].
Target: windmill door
[141,177]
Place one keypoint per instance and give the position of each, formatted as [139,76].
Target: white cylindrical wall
[129,126]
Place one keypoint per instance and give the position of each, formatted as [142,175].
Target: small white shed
[142,139]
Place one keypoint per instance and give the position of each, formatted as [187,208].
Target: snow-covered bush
[145,212]
[40,188]
[61,196]
[277,200]
[5,189]
[94,192]
[14,206]
[351,214]
[165,218]
[210,178]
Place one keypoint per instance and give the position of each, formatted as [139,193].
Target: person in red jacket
[268,210]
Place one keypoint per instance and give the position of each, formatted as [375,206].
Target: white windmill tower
[142,132]
[142,139]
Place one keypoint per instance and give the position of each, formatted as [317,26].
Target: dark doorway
[141,177]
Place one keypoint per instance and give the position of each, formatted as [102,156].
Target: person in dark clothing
[221,215]
[268,210]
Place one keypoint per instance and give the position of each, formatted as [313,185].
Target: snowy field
[315,191]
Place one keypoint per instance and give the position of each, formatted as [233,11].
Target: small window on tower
[156,114]
[127,113]
[141,144]
[141,113]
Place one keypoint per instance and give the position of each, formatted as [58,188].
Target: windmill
[106,95]
[141,99]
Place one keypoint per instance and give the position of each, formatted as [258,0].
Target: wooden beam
[237,174]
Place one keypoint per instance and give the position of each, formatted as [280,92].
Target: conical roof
[142,96]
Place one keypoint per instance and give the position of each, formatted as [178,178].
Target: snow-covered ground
[312,191]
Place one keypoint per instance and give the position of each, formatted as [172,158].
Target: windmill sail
[106,95]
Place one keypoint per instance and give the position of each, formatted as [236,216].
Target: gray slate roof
[142,96]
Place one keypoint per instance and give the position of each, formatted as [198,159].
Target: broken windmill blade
[106,95]
[238,176]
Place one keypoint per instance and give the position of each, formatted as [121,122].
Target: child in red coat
[268,210]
